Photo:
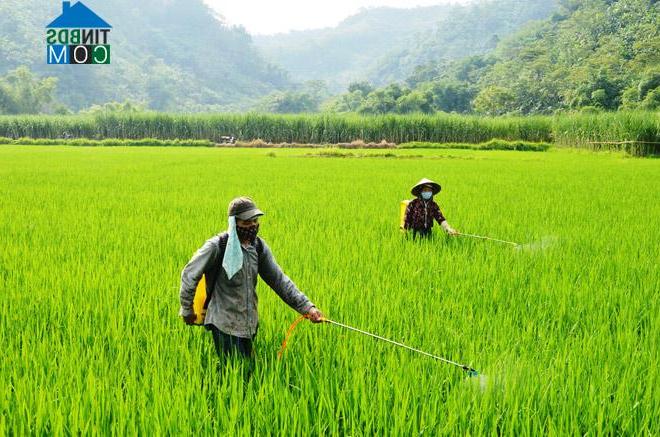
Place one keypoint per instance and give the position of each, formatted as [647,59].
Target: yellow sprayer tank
[403,206]
[200,301]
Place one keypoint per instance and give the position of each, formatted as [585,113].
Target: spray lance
[469,370]
[515,245]
[543,243]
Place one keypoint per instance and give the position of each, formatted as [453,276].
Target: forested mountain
[349,51]
[489,57]
[470,30]
[172,55]
[590,53]
[600,53]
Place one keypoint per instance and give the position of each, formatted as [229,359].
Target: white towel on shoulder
[233,259]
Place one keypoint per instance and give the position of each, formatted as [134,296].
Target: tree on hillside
[383,100]
[494,100]
[288,102]
[450,96]
[364,87]
[415,101]
[21,92]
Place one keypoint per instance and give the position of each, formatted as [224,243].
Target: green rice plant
[94,239]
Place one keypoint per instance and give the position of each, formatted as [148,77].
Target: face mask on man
[426,195]
[247,234]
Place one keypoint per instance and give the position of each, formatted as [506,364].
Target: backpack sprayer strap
[216,266]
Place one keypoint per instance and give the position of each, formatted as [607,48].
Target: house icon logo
[78,36]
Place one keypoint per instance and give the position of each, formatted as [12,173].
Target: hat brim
[250,214]
[417,189]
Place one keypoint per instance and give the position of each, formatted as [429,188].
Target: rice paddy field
[564,331]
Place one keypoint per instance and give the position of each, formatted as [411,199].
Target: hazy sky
[272,16]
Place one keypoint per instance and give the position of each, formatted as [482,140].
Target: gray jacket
[233,305]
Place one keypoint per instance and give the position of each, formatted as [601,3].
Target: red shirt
[420,214]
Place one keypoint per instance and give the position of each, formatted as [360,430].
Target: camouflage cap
[244,208]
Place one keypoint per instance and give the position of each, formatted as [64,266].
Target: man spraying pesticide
[229,263]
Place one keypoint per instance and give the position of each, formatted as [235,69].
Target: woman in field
[421,211]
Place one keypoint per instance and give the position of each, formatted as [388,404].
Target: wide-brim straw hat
[417,189]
